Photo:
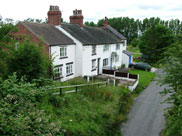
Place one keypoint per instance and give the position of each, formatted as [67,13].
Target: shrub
[19,113]
[29,60]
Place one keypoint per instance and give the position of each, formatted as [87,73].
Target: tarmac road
[146,117]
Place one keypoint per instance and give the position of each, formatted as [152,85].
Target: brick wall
[23,32]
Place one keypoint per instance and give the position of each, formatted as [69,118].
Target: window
[105,62]
[116,58]
[63,52]
[117,46]
[69,69]
[94,64]
[106,48]
[94,50]
[58,71]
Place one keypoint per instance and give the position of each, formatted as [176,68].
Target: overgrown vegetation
[28,110]
[172,65]
[29,60]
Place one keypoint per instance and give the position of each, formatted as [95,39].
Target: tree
[6,43]
[172,66]
[154,42]
[29,60]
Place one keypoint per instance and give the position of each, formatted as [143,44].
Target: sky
[92,10]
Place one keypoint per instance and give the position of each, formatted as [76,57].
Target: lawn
[144,79]
[133,49]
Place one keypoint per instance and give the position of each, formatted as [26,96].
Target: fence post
[128,75]
[114,82]
[76,89]
[60,91]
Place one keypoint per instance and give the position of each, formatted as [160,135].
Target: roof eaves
[35,34]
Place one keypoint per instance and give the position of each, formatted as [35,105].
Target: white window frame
[93,49]
[93,64]
[106,47]
[58,72]
[63,51]
[105,62]
[69,69]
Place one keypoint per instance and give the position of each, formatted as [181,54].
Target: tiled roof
[92,35]
[50,34]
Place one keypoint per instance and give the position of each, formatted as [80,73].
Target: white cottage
[77,50]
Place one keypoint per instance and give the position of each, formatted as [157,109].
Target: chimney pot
[105,21]
[77,17]
[54,15]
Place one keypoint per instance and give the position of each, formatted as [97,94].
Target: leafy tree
[90,24]
[172,65]
[29,60]
[154,42]
[6,43]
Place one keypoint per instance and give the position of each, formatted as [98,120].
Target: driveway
[146,117]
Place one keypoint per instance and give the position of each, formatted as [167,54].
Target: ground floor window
[105,62]
[58,71]
[69,69]
[94,64]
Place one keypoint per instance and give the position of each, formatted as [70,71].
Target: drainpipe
[111,64]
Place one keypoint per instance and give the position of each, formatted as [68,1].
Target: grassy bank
[26,110]
[144,79]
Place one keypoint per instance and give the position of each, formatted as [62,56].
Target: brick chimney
[105,22]
[54,15]
[77,17]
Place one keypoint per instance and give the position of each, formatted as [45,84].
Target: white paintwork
[78,52]
[131,88]
[55,53]
[100,54]
[126,60]
[82,57]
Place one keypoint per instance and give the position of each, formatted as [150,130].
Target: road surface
[146,117]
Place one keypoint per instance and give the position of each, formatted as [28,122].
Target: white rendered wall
[88,57]
[78,52]
[125,60]
[55,53]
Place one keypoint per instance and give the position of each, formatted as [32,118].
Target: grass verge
[144,79]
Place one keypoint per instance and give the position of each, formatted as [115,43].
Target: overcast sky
[93,10]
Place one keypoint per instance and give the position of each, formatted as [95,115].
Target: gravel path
[146,117]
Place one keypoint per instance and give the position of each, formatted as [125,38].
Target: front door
[129,59]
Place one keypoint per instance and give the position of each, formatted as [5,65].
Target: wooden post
[114,82]
[60,91]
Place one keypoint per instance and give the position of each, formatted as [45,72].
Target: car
[141,65]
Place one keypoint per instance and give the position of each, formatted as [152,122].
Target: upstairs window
[106,48]
[94,50]
[117,46]
[63,52]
